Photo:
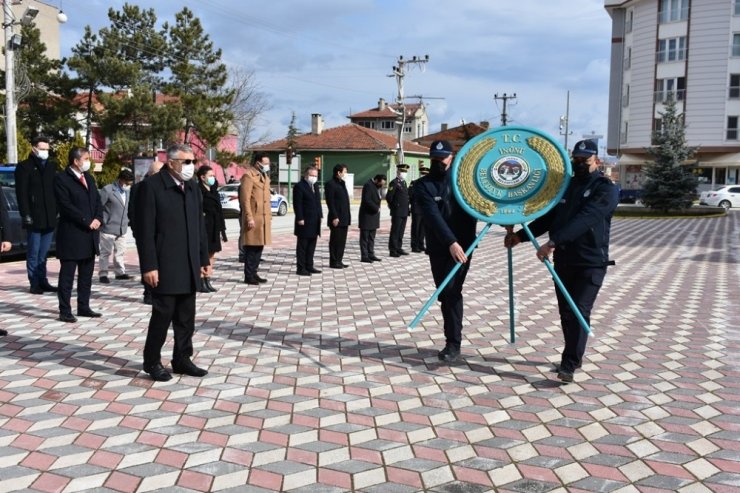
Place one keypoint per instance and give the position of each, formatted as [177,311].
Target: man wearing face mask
[308,214]
[398,202]
[34,187]
[78,233]
[115,198]
[368,218]
[338,217]
[449,232]
[256,216]
[578,230]
[173,256]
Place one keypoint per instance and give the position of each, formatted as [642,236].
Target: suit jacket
[34,187]
[77,206]
[398,198]
[337,201]
[254,202]
[115,210]
[369,215]
[170,233]
[307,207]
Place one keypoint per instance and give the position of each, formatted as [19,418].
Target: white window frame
[630,19]
[734,89]
[673,11]
[670,86]
[735,50]
[672,49]
[628,59]
[736,10]
[732,131]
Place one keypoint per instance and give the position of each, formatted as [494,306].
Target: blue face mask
[211,180]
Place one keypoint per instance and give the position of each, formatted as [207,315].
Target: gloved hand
[223,236]
[27,220]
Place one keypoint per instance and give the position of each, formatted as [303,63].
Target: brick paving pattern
[315,384]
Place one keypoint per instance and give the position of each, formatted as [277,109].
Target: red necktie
[82,180]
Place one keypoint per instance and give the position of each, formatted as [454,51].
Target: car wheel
[725,204]
[282,209]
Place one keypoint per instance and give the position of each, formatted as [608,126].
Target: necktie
[182,187]
[82,180]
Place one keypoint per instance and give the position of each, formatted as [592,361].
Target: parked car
[724,197]
[229,194]
[7,176]
[17,235]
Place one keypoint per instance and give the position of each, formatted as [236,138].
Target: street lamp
[12,43]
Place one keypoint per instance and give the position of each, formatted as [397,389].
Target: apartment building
[688,50]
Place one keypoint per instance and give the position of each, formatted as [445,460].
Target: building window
[734,86]
[626,96]
[623,137]
[629,19]
[732,128]
[657,129]
[736,44]
[407,128]
[737,7]
[387,124]
[673,10]
[674,49]
[628,59]
[674,88]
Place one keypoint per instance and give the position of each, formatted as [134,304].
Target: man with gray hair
[173,254]
[115,199]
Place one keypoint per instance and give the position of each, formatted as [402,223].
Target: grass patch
[644,212]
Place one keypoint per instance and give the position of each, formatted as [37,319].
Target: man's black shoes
[35,290]
[3,332]
[303,273]
[313,271]
[67,317]
[450,353]
[403,252]
[104,280]
[366,260]
[375,259]
[260,279]
[565,376]
[187,367]
[158,372]
[124,277]
[88,313]
[251,280]
[48,287]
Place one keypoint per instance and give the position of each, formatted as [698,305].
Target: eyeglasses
[185,161]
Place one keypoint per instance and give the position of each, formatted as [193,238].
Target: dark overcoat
[77,206]
[369,215]
[213,215]
[307,207]
[34,188]
[337,202]
[398,198]
[170,233]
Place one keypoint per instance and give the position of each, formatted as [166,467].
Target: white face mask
[266,168]
[85,166]
[188,170]
[312,179]
[42,154]
[403,176]
[126,188]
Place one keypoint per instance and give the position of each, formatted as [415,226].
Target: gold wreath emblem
[555,175]
[465,174]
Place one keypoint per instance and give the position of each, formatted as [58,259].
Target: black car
[16,235]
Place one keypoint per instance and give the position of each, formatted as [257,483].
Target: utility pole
[399,72]
[505,98]
[564,121]
[10,123]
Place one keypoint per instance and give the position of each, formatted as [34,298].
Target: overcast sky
[333,56]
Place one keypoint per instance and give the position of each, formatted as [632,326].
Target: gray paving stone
[380,445]
[389,488]
[672,457]
[481,463]
[666,482]
[319,446]
[353,466]
[725,478]
[531,486]
[460,487]
[598,484]
[148,470]
[500,443]
[608,460]
[285,467]
[418,465]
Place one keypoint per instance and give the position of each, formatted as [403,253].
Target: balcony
[664,96]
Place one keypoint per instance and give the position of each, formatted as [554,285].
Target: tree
[248,105]
[198,79]
[669,185]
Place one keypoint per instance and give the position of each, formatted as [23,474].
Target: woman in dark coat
[214,219]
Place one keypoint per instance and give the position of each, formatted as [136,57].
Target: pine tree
[669,185]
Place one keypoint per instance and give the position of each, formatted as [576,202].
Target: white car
[229,195]
[724,197]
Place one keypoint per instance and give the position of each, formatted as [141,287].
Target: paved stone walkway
[315,384]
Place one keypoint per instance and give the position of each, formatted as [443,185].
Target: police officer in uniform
[449,232]
[417,225]
[398,202]
[578,228]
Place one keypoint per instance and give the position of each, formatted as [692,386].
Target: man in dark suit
[34,187]
[173,254]
[417,222]
[398,202]
[78,233]
[338,217]
[308,214]
[369,217]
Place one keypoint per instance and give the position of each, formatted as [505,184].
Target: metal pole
[10,123]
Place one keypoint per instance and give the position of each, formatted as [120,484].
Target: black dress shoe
[202,288]
[124,277]
[104,280]
[403,252]
[88,313]
[375,259]
[416,250]
[303,273]
[335,266]
[449,353]
[565,376]
[260,280]
[3,332]
[48,287]
[395,254]
[343,266]
[67,317]
[366,260]
[187,367]
[209,286]
[251,280]
[158,372]
[34,290]
[313,271]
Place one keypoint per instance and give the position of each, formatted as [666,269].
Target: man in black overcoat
[398,203]
[417,221]
[173,253]
[78,233]
[369,217]
[308,214]
[338,217]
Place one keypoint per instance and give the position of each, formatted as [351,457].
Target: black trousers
[398,228]
[252,256]
[367,243]
[583,285]
[451,298]
[304,250]
[337,243]
[417,231]
[67,270]
[179,310]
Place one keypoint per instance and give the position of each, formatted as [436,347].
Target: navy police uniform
[417,223]
[398,203]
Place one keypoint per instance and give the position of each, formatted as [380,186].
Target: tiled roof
[387,112]
[348,137]
[456,136]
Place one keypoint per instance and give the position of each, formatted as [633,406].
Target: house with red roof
[384,118]
[456,136]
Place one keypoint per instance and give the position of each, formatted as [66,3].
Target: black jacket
[398,198]
[34,187]
[445,222]
[337,201]
[213,215]
[170,233]
[78,206]
[579,225]
[307,208]
[369,215]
